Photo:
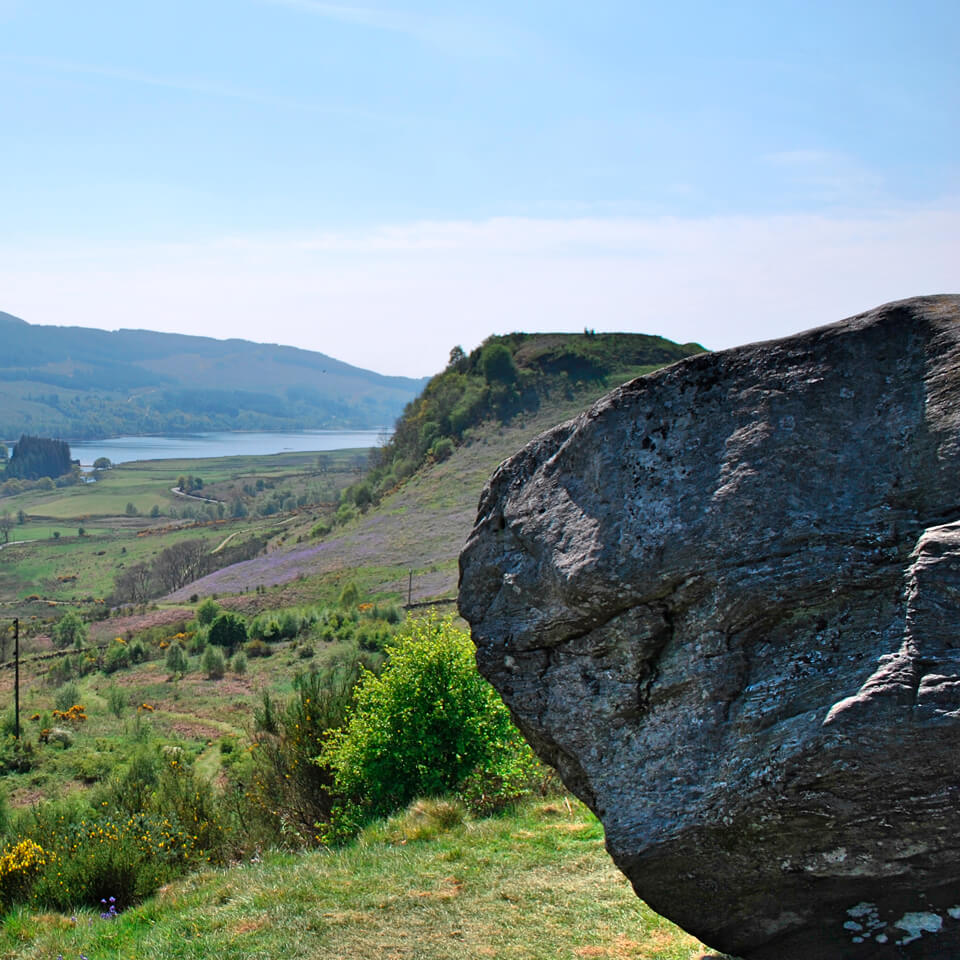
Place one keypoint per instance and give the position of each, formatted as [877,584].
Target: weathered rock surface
[725,604]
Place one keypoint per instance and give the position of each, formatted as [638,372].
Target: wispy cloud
[186,84]
[463,35]
[397,298]
[831,175]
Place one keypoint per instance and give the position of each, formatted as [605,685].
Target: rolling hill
[86,384]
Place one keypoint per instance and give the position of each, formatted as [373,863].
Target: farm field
[69,544]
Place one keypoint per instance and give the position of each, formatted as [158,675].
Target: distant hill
[84,384]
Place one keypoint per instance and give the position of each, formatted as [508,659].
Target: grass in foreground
[426,885]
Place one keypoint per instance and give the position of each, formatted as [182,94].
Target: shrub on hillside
[16,756]
[207,611]
[117,657]
[422,727]
[4,815]
[20,865]
[117,701]
[66,696]
[289,792]
[228,630]
[138,651]
[93,858]
[176,661]
[214,666]
[442,449]
[349,595]
[69,631]
[320,529]
[130,789]
[257,648]
[496,363]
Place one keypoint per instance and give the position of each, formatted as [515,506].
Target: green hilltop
[514,376]
[83,384]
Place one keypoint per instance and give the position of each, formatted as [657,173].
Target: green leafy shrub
[265,628]
[70,630]
[117,701]
[4,815]
[288,625]
[187,798]
[371,639]
[349,595]
[228,630]
[83,665]
[99,857]
[389,612]
[90,766]
[290,792]
[345,513]
[421,727]
[197,643]
[131,789]
[213,664]
[60,671]
[138,651]
[442,449]
[208,611]
[66,696]
[16,756]
[239,663]
[116,658]
[176,662]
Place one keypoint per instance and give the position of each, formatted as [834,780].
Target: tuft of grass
[532,885]
[426,820]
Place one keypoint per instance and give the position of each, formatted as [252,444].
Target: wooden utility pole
[16,677]
[410,589]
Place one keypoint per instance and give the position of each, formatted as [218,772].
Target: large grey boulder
[725,604]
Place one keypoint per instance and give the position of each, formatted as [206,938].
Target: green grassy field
[430,884]
[48,557]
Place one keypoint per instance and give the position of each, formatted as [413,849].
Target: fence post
[16,677]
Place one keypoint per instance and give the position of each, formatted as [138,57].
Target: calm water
[226,444]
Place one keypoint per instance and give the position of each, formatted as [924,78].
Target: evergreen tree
[35,457]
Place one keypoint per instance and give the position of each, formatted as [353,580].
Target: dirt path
[176,491]
[224,542]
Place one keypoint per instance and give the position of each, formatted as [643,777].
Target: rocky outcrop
[725,604]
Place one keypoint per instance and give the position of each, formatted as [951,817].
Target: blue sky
[382,181]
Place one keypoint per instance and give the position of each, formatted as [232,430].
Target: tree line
[176,566]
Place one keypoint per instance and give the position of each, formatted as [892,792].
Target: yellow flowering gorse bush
[19,867]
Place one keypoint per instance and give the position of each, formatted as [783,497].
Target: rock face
[725,604]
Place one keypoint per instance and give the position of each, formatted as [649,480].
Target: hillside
[447,443]
[81,384]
